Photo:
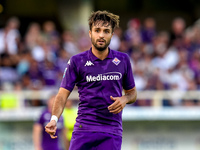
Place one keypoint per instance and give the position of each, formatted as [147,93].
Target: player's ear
[90,33]
[112,34]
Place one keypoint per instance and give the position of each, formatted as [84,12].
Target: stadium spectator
[133,34]
[8,73]
[38,51]
[23,65]
[116,39]
[50,74]
[62,60]
[49,31]
[177,32]
[33,78]
[148,31]
[10,37]
[83,40]
[69,43]
[33,35]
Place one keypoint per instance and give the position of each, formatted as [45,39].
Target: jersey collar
[93,57]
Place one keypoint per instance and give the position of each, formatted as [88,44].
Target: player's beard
[100,47]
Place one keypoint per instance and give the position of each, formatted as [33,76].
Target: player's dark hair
[105,16]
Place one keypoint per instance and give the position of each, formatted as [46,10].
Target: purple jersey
[47,142]
[97,80]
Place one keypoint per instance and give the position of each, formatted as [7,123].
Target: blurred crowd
[161,60]
[38,59]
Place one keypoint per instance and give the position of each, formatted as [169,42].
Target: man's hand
[50,128]
[118,105]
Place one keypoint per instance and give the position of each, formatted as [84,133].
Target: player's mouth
[101,41]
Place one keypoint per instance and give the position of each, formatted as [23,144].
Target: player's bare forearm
[60,102]
[131,95]
[58,106]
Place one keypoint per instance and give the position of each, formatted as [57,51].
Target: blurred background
[162,38]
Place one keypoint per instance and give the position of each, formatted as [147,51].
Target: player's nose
[101,34]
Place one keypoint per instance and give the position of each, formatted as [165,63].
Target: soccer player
[41,140]
[100,75]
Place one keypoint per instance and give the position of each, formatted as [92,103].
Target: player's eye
[107,31]
[97,30]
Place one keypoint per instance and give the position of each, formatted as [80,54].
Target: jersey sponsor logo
[89,63]
[104,77]
[116,61]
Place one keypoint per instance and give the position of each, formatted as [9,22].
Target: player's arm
[131,95]
[58,106]
[120,102]
[37,131]
[60,102]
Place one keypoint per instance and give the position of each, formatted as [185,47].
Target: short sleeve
[128,79]
[69,76]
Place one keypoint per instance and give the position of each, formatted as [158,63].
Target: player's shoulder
[79,58]
[80,55]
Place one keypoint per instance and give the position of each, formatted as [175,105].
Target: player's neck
[100,54]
